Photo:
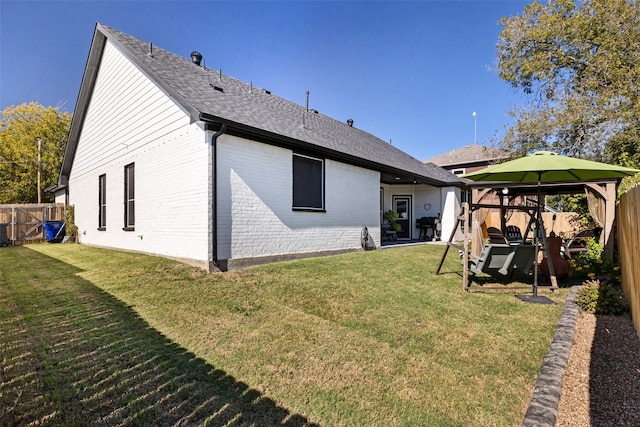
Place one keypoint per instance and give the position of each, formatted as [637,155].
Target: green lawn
[96,337]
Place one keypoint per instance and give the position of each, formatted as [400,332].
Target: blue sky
[411,73]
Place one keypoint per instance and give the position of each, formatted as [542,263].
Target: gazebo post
[476,228]
[547,254]
[465,252]
[542,231]
[610,214]
[607,190]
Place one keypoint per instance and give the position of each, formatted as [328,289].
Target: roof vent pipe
[196,57]
[307,93]
[350,122]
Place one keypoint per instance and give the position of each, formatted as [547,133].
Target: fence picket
[629,250]
[24,221]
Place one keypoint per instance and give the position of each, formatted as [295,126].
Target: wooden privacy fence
[629,249]
[24,222]
[565,225]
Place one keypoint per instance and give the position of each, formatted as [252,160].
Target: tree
[579,67]
[20,129]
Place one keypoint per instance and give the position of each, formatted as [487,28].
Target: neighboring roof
[469,154]
[53,188]
[208,95]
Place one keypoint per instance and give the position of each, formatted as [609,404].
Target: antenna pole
[475,128]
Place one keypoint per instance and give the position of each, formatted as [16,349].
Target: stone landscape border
[543,407]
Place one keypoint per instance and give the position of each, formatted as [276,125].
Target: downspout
[214,198]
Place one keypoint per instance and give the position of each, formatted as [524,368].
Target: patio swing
[504,259]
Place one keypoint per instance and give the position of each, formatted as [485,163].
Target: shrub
[69,217]
[600,298]
[593,264]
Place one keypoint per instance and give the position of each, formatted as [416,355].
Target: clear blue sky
[409,72]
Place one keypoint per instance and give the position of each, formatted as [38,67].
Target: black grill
[427,226]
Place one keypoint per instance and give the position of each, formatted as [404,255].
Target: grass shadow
[73,354]
[486,281]
[614,372]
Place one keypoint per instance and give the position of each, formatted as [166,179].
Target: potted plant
[391,217]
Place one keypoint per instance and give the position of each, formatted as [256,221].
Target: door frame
[408,235]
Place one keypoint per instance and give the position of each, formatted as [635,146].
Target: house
[469,158]
[169,157]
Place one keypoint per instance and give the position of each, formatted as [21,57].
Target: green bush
[600,298]
[69,217]
[593,264]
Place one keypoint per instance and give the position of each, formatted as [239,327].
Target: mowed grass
[91,336]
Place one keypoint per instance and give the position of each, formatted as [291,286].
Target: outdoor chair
[578,243]
[522,262]
[513,233]
[388,233]
[492,259]
[504,261]
[495,235]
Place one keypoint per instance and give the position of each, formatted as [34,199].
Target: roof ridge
[251,88]
[208,93]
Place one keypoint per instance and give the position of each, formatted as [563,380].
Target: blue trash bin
[55,231]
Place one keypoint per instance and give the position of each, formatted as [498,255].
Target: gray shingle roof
[207,94]
[472,153]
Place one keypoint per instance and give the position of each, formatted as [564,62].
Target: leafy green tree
[579,65]
[20,129]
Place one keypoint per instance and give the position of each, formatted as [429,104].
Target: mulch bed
[601,384]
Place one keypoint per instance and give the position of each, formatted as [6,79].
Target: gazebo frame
[605,189]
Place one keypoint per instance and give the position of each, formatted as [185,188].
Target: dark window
[129,197]
[381,205]
[102,202]
[308,183]
[465,196]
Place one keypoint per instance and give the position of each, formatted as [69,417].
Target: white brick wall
[131,120]
[60,197]
[450,211]
[255,216]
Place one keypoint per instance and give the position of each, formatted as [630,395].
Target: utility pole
[39,166]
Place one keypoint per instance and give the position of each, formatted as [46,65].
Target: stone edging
[543,407]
